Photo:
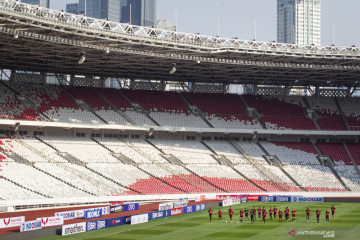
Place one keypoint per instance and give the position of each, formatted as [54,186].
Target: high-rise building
[143,12]
[102,9]
[42,3]
[299,22]
[72,8]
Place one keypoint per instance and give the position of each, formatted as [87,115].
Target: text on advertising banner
[73,228]
[165,206]
[30,226]
[113,222]
[137,219]
[51,221]
[131,207]
[11,222]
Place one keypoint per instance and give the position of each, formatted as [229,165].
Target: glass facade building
[42,3]
[102,9]
[299,22]
[143,12]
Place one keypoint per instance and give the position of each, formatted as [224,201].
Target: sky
[340,19]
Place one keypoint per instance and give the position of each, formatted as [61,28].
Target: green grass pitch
[197,226]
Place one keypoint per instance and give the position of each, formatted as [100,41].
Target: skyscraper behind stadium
[102,9]
[42,3]
[143,12]
[299,22]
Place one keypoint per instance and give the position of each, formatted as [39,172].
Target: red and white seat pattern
[336,151]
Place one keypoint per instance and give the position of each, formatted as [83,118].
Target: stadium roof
[44,40]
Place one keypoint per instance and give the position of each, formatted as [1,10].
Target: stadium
[105,124]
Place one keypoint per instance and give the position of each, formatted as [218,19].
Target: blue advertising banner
[131,207]
[100,224]
[94,213]
[113,222]
[190,209]
[307,199]
[159,214]
[275,198]
[90,226]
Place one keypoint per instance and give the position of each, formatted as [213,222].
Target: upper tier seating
[288,123]
[217,103]
[290,155]
[10,191]
[233,121]
[336,151]
[7,96]
[53,95]
[354,149]
[253,150]
[158,101]
[115,97]
[188,152]
[71,115]
[112,117]
[19,112]
[89,96]
[305,147]
[351,110]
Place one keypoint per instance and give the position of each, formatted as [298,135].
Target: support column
[43,78]
[317,91]
[72,80]
[224,88]
[13,76]
[132,84]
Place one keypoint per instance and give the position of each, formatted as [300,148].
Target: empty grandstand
[64,133]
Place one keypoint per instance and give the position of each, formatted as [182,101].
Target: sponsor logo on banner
[227,202]
[197,208]
[202,206]
[101,224]
[189,209]
[310,199]
[90,226]
[137,219]
[104,210]
[116,203]
[244,199]
[73,228]
[159,214]
[253,197]
[11,222]
[95,213]
[116,209]
[180,204]
[222,197]
[282,199]
[266,199]
[30,226]
[183,199]
[177,211]
[113,222]
[70,214]
[131,207]
[165,206]
[51,221]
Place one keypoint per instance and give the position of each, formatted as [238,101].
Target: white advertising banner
[51,221]
[11,222]
[165,206]
[142,218]
[74,228]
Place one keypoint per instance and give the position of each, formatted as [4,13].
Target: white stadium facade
[66,138]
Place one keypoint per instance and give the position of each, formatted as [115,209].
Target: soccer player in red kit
[210,214]
[293,215]
[333,212]
[264,216]
[327,216]
[241,215]
[280,215]
[275,212]
[259,212]
[287,213]
[271,212]
[231,213]
[308,214]
[318,215]
[220,215]
[254,210]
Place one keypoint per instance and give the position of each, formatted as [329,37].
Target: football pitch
[197,225]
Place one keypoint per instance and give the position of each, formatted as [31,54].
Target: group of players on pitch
[262,213]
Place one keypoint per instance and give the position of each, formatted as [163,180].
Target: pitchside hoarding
[73,228]
[115,209]
[51,221]
[114,222]
[70,214]
[11,222]
[165,206]
[307,199]
[94,213]
[137,219]
[30,226]
[275,198]
[159,214]
[177,211]
[131,207]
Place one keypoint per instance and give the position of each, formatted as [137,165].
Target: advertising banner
[95,213]
[90,226]
[227,202]
[189,209]
[253,197]
[177,211]
[104,210]
[165,206]
[307,199]
[137,219]
[11,222]
[116,203]
[222,197]
[159,214]
[131,207]
[180,204]
[244,199]
[100,224]
[183,199]
[51,221]
[30,226]
[113,222]
[73,228]
[282,198]
[115,209]
[70,214]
